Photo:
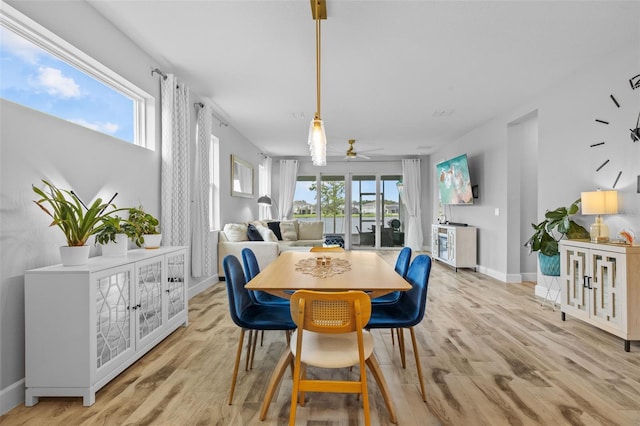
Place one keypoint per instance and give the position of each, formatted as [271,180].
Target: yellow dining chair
[330,334]
[323,249]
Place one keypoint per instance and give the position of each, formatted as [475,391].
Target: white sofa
[296,235]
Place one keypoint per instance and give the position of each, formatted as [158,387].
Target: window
[43,72]
[305,199]
[332,203]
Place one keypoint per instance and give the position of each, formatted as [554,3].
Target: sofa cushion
[310,230]
[267,234]
[253,234]
[295,224]
[275,227]
[288,231]
[236,232]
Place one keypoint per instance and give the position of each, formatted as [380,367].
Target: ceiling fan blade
[370,150]
[363,156]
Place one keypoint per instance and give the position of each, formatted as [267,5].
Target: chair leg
[303,376]
[393,338]
[365,394]
[261,338]
[401,346]
[295,390]
[419,368]
[253,348]
[372,362]
[236,365]
[248,357]
[275,379]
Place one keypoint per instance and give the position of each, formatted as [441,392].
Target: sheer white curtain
[411,199]
[288,175]
[201,252]
[175,162]
[264,187]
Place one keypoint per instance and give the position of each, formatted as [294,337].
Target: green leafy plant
[143,223]
[112,226]
[556,225]
[77,221]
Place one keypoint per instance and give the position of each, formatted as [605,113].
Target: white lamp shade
[599,202]
[317,143]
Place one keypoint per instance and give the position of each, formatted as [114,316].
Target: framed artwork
[241,178]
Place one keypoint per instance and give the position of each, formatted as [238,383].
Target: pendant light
[317,136]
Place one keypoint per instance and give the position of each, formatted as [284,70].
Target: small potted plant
[555,226]
[77,221]
[114,235]
[147,228]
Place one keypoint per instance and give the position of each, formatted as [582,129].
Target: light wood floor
[490,353]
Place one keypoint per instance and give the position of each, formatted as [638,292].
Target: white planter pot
[152,241]
[117,248]
[74,256]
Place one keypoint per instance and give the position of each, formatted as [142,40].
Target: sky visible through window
[32,77]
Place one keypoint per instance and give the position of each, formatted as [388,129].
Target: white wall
[566,165]
[34,145]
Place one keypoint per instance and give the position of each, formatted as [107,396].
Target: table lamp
[599,203]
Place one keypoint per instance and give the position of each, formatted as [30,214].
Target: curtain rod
[157,71]
[213,113]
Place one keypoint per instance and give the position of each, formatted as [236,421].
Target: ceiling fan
[352,154]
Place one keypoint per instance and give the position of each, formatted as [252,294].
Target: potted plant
[77,221]
[146,226]
[556,225]
[114,235]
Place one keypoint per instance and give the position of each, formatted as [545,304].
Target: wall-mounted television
[454,183]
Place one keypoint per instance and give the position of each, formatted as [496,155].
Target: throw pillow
[310,230]
[275,227]
[236,232]
[288,231]
[267,234]
[295,224]
[253,234]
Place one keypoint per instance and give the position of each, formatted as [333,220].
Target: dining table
[327,271]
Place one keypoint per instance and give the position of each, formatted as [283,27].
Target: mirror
[241,178]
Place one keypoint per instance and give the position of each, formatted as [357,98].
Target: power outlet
[496,211]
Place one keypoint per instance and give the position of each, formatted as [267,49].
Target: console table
[599,285]
[455,245]
[85,324]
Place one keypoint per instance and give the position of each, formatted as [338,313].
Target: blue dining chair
[251,269]
[249,315]
[402,266]
[408,311]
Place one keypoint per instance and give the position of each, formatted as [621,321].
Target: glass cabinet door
[148,306]
[175,285]
[114,301]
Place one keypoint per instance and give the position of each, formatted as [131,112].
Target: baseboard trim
[202,285]
[11,397]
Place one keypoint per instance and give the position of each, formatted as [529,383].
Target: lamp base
[599,231]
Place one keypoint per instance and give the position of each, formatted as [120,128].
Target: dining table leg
[372,362]
[284,361]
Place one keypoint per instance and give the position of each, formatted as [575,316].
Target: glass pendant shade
[317,142]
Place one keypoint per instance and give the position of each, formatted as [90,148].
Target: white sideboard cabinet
[85,324]
[600,284]
[455,245]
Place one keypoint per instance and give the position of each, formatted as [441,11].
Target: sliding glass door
[376,212]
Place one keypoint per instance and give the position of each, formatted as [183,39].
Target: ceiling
[403,77]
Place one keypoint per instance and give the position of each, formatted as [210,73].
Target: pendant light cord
[318,36]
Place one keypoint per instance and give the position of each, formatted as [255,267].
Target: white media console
[454,245]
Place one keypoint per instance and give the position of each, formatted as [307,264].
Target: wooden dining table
[328,271]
